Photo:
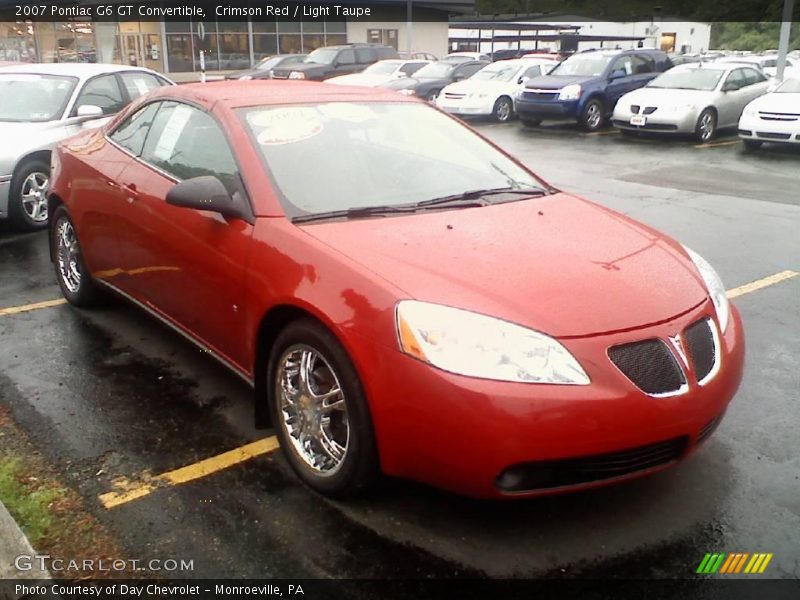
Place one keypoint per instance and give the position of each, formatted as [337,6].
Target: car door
[756,84]
[364,58]
[103,91]
[188,265]
[734,98]
[621,79]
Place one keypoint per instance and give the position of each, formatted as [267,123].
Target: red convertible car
[403,296]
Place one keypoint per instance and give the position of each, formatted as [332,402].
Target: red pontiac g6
[403,296]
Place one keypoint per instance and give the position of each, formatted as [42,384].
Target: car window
[643,64]
[187,142]
[365,55]
[412,67]
[468,70]
[132,133]
[532,72]
[101,91]
[623,63]
[753,76]
[736,78]
[346,57]
[138,83]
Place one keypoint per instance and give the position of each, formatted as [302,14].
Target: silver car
[697,99]
[41,104]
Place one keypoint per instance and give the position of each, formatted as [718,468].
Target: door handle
[130,191]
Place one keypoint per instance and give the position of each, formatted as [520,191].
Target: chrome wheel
[34,196]
[706,126]
[504,110]
[313,409]
[432,96]
[68,256]
[594,115]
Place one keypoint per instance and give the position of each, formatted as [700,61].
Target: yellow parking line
[761,283]
[15,310]
[128,491]
[717,144]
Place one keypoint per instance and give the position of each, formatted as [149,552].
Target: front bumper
[755,128]
[545,109]
[657,122]
[463,434]
[466,106]
[5,191]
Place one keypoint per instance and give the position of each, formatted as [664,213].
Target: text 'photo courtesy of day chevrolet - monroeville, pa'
[400,299]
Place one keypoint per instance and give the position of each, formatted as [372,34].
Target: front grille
[769,116]
[701,348]
[635,109]
[540,95]
[649,110]
[279,75]
[650,365]
[574,471]
[452,96]
[708,429]
[773,136]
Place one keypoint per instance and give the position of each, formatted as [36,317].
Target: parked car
[692,98]
[768,63]
[331,61]
[263,68]
[682,59]
[381,72]
[366,348]
[587,85]
[418,56]
[491,90]
[774,117]
[41,104]
[467,56]
[430,79]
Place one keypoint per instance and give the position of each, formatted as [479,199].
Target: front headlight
[408,92]
[297,75]
[716,290]
[474,345]
[570,92]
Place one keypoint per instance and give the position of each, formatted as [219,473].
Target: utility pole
[409,26]
[786,30]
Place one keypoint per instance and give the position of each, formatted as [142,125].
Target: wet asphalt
[110,392]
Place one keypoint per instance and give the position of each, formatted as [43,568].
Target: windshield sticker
[172,131]
[286,125]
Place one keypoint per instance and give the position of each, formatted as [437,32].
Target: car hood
[666,97]
[469,86]
[555,82]
[409,83]
[557,264]
[780,102]
[360,79]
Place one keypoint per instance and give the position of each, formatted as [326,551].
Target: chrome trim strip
[717,353]
[222,360]
[5,178]
[540,91]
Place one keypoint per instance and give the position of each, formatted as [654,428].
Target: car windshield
[322,56]
[33,98]
[382,68]
[268,62]
[790,86]
[435,70]
[496,72]
[364,155]
[583,65]
[688,79]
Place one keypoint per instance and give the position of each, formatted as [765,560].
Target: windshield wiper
[355,213]
[470,197]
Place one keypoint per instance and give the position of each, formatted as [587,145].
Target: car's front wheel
[503,109]
[706,127]
[594,115]
[73,277]
[320,411]
[27,207]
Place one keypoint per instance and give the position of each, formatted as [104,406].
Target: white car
[491,91]
[767,63]
[381,72]
[40,105]
[774,117]
[696,99]
[467,56]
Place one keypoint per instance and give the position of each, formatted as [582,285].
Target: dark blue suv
[587,85]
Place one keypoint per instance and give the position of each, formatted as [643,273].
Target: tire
[752,144]
[73,277]
[530,122]
[338,458]
[27,200]
[432,96]
[503,109]
[706,128]
[593,116]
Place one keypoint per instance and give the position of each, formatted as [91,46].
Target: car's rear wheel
[503,109]
[27,207]
[320,411]
[706,127]
[73,277]
[753,144]
[594,115]
[530,122]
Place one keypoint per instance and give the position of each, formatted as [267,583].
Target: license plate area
[638,120]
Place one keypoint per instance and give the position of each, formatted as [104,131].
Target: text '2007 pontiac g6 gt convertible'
[403,296]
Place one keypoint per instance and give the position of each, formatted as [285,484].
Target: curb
[14,544]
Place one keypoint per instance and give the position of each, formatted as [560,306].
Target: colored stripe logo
[734,562]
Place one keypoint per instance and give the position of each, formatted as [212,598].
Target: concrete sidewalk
[13,543]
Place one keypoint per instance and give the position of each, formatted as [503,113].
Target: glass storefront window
[17,42]
[334,39]
[335,27]
[264,27]
[264,45]
[234,51]
[179,53]
[312,42]
[290,44]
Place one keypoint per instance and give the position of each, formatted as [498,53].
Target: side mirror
[618,74]
[89,111]
[203,193]
[523,80]
[459,77]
